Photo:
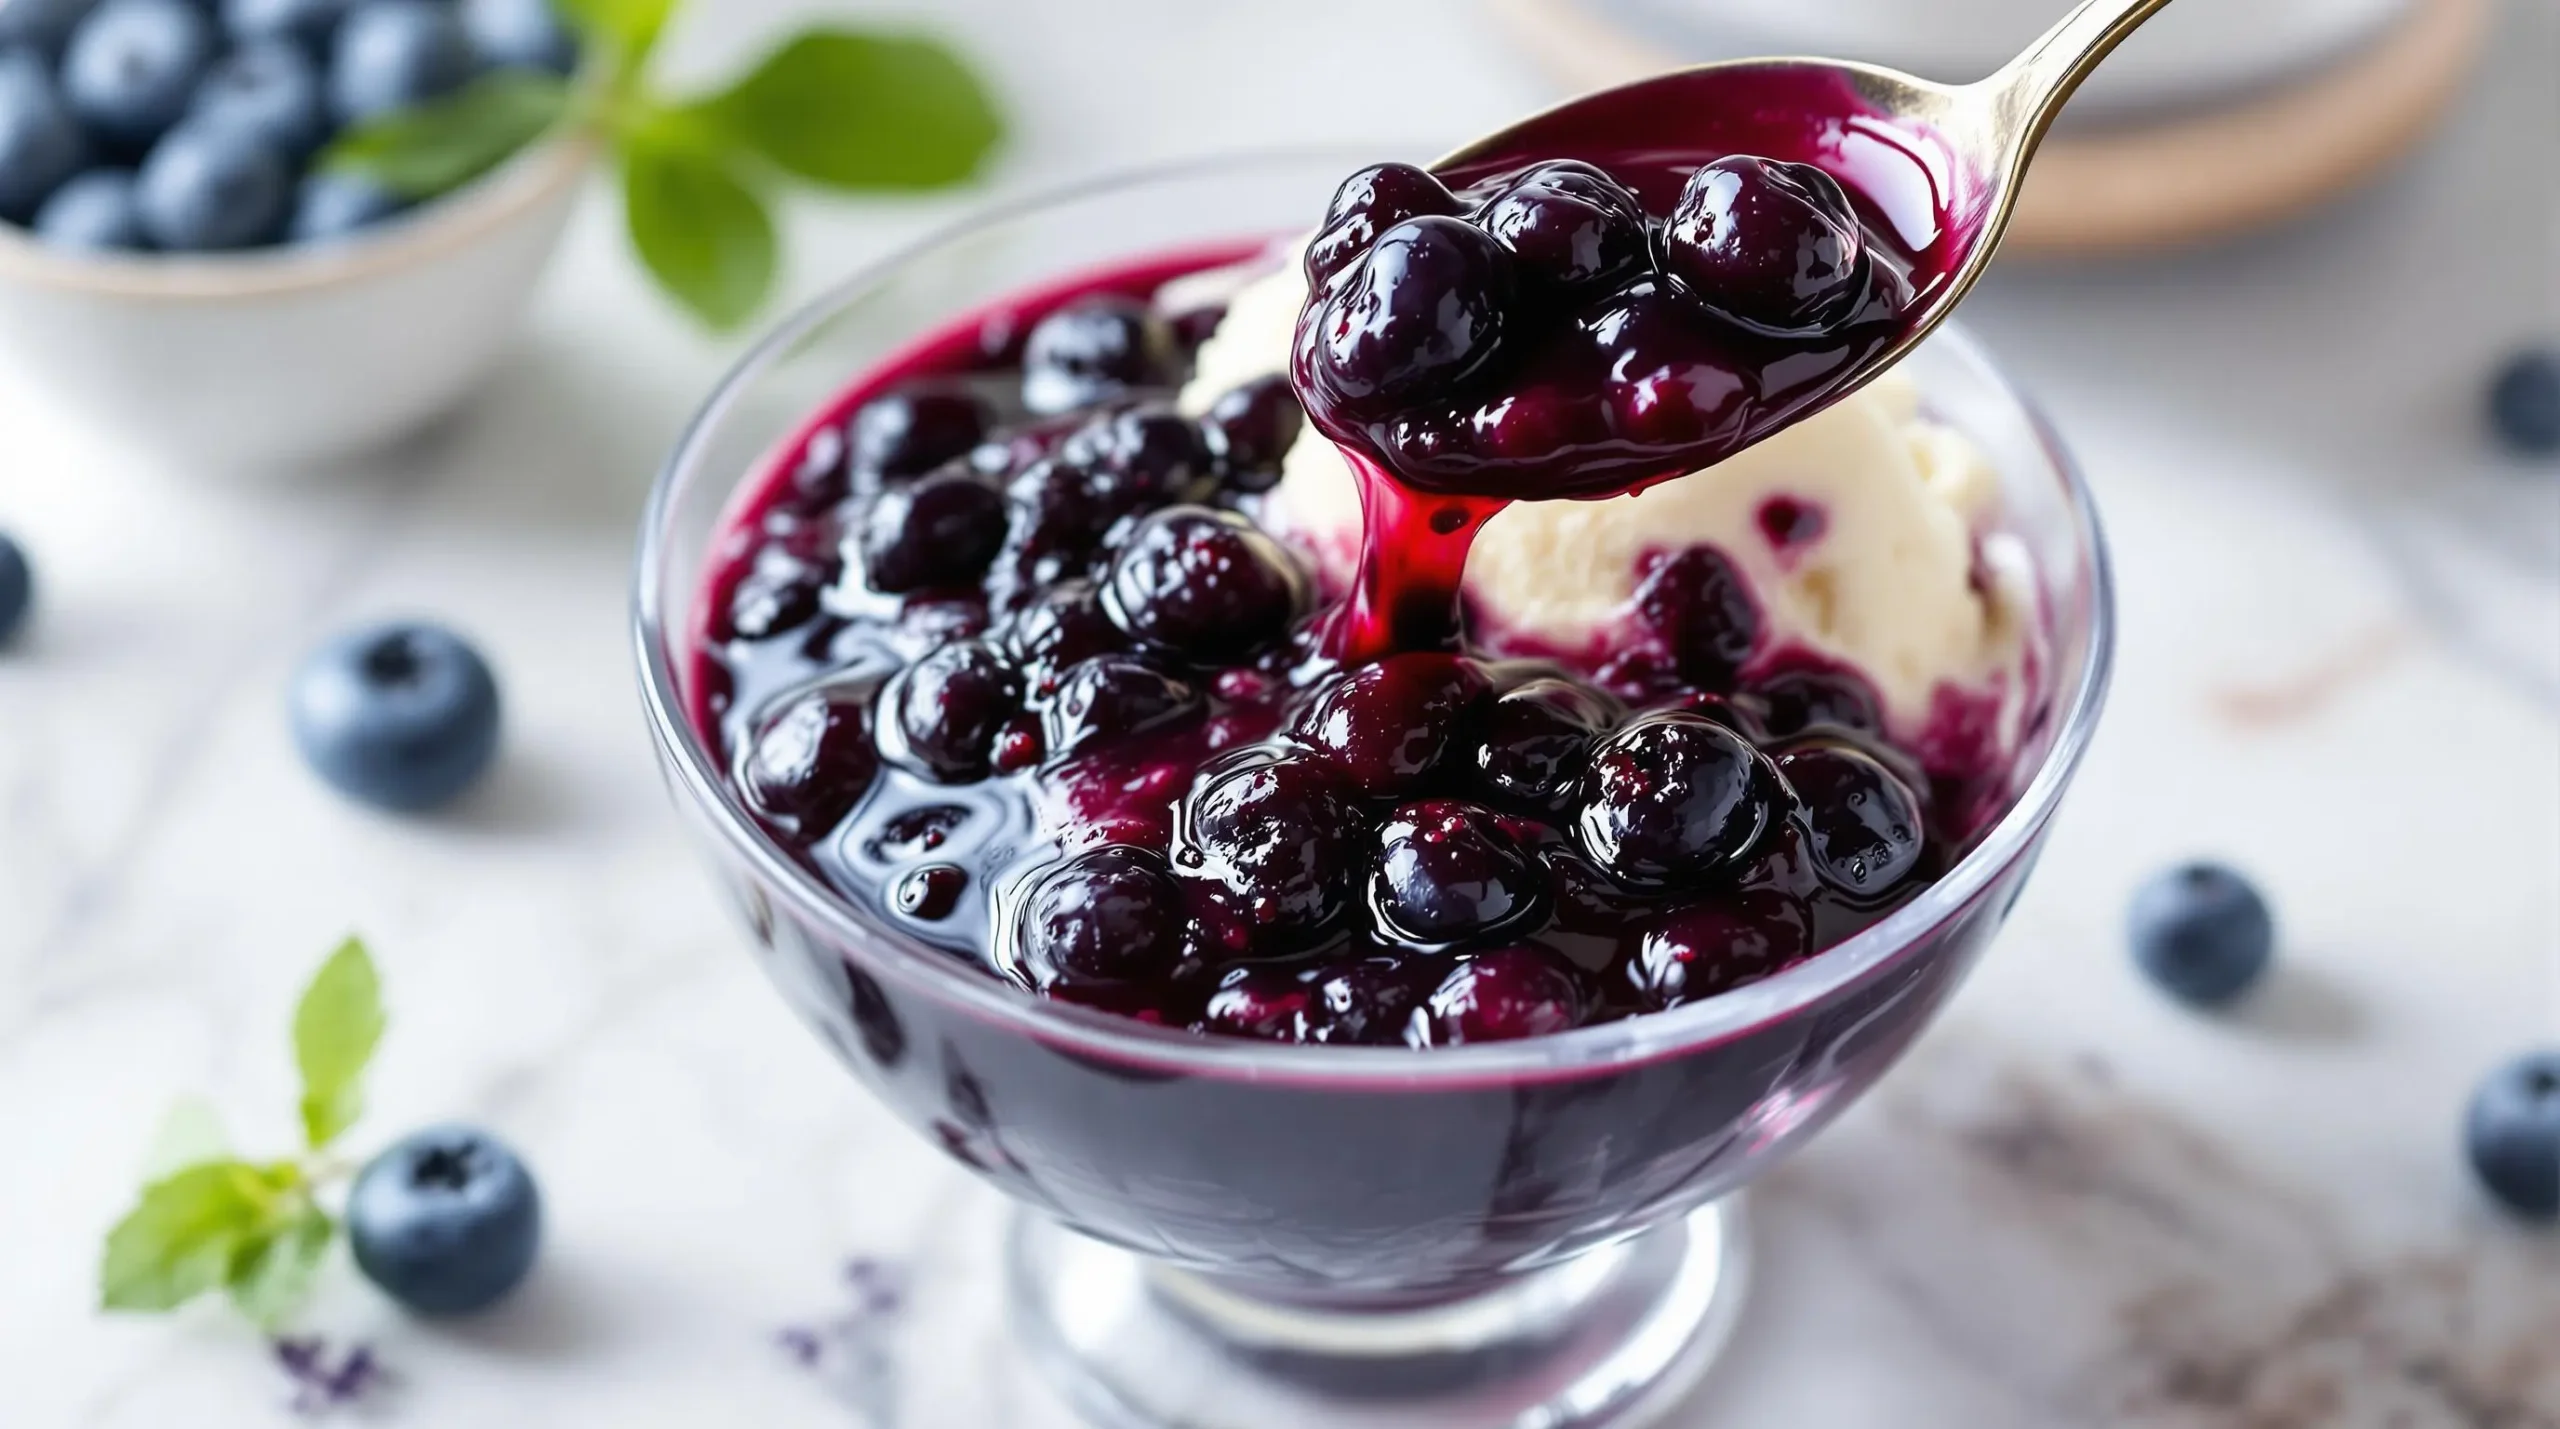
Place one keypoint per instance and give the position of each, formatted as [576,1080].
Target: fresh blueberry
[1448,871]
[811,761]
[446,1222]
[133,65]
[1250,430]
[397,54]
[906,434]
[942,531]
[1277,840]
[1423,312]
[41,145]
[402,716]
[309,22]
[2513,1135]
[941,715]
[1863,824]
[520,34]
[94,213]
[1502,996]
[17,587]
[329,206]
[1573,228]
[1771,245]
[41,26]
[1673,798]
[2202,932]
[1367,204]
[2524,403]
[1109,916]
[1094,349]
[270,91]
[206,189]
[1206,585]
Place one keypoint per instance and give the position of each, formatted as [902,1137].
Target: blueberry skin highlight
[403,717]
[447,1222]
[2202,933]
[2512,1135]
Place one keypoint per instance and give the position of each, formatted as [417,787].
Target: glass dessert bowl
[1288,1223]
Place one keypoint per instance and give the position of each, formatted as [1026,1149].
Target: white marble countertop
[2077,1205]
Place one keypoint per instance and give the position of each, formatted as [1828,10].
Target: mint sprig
[833,108]
[255,1229]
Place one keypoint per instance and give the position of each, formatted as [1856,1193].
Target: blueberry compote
[1000,652]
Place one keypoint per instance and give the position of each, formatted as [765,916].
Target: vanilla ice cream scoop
[1862,533]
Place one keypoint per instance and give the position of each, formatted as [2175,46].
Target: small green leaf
[271,1274]
[437,148]
[857,111]
[189,1135]
[335,1030]
[630,26]
[703,232]
[182,1239]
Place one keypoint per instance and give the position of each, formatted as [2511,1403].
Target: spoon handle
[2028,91]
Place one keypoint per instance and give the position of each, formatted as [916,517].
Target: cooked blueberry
[1063,624]
[1695,952]
[41,145]
[2512,1134]
[1572,227]
[1367,204]
[943,713]
[1423,312]
[908,433]
[1674,797]
[941,531]
[397,54]
[1447,871]
[307,22]
[1391,722]
[520,34]
[446,1222]
[133,65]
[1095,348]
[1663,389]
[1502,996]
[1697,606]
[778,596]
[810,762]
[401,716]
[929,893]
[1206,585]
[330,206]
[1366,1002]
[1863,824]
[95,213]
[1110,698]
[1110,916]
[1279,839]
[40,27]
[1805,700]
[2524,403]
[2202,933]
[1772,245]
[270,91]
[1249,430]
[1141,457]
[207,189]
[1536,740]
[17,588]
[1267,1003]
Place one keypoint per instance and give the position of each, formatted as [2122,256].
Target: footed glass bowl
[1230,1235]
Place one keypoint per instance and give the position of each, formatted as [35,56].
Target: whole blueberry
[1277,839]
[1109,916]
[941,531]
[1206,585]
[1250,430]
[400,716]
[1447,871]
[2524,403]
[1111,698]
[446,1222]
[1573,228]
[1701,610]
[1096,348]
[207,189]
[94,213]
[1420,315]
[908,433]
[331,206]
[2513,1135]
[1061,626]
[397,54]
[308,22]
[1863,824]
[1367,204]
[1536,739]
[270,91]
[133,65]
[41,145]
[1771,245]
[2202,932]
[1673,798]
[1692,953]
[1502,996]
[812,760]
[520,34]
[1391,722]
[941,715]
[41,26]
[17,588]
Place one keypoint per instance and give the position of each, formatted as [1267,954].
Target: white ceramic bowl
[288,357]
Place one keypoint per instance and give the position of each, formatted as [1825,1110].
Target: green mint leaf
[183,1237]
[334,1033]
[631,27]
[862,112]
[437,148]
[272,1272]
[703,233]
[189,1135]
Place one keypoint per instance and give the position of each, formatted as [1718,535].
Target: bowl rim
[694,776]
[434,230]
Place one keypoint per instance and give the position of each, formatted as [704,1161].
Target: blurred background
[2076,1205]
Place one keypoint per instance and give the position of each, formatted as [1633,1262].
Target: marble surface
[2076,1205]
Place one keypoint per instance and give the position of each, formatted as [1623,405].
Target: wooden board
[2238,166]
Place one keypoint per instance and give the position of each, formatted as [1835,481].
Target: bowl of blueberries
[180,267]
